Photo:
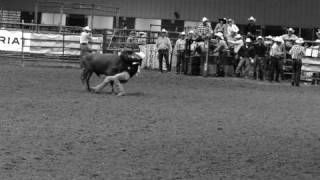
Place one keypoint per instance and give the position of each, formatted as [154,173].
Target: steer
[109,65]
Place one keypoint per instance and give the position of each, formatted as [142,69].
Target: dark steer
[108,64]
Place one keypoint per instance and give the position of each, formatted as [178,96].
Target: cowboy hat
[219,34]
[252,19]
[183,33]
[278,39]
[222,19]
[191,32]
[204,19]
[291,30]
[260,37]
[248,40]
[299,41]
[269,37]
[87,28]
[164,30]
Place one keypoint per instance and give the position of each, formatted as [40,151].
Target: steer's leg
[89,74]
[112,86]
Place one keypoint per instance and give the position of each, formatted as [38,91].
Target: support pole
[36,10]
[22,44]
[61,17]
[92,15]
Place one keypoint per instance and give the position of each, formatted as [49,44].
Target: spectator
[221,26]
[163,45]
[246,54]
[85,38]
[132,42]
[277,54]
[204,29]
[318,35]
[297,52]
[289,39]
[268,42]
[179,50]
[234,45]
[251,28]
[231,29]
[260,50]
[219,52]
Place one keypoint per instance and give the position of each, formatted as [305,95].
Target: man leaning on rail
[85,38]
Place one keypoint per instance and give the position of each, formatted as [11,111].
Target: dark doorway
[28,17]
[76,20]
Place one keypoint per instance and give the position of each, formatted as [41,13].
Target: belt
[84,43]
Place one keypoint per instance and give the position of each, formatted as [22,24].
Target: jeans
[296,70]
[258,70]
[181,63]
[275,69]
[244,61]
[164,53]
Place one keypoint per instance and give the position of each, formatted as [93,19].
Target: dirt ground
[167,127]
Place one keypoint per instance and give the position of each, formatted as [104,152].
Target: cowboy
[297,52]
[277,53]
[318,35]
[234,45]
[260,50]
[221,26]
[163,45]
[251,28]
[204,29]
[231,29]
[85,38]
[219,53]
[130,69]
[179,50]
[268,42]
[246,54]
[289,39]
[132,42]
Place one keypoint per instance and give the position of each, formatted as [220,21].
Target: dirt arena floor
[168,127]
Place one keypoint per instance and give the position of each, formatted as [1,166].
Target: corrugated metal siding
[267,12]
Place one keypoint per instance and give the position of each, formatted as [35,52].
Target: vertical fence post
[22,44]
[205,66]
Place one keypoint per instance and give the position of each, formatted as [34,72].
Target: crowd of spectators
[252,55]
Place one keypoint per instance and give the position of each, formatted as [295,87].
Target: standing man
[85,38]
[219,53]
[179,50]
[260,50]
[297,52]
[277,54]
[246,54]
[164,47]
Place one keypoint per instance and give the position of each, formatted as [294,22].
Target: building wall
[268,12]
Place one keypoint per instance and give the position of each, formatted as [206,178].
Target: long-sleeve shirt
[204,29]
[260,50]
[180,45]
[251,28]
[163,43]
[85,38]
[236,44]
[277,50]
[221,46]
[297,52]
[247,51]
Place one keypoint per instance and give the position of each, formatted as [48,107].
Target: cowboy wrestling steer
[109,65]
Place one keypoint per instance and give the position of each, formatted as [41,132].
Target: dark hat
[223,19]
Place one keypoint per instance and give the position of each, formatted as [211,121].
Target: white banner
[12,41]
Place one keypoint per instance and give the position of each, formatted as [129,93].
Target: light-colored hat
[141,55]
[87,28]
[278,39]
[291,30]
[260,37]
[183,33]
[299,41]
[252,19]
[269,37]
[219,34]
[164,30]
[248,40]
[204,19]
[191,32]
